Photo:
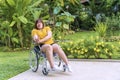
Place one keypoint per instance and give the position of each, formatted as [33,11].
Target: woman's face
[39,25]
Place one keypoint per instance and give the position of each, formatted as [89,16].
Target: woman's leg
[48,50]
[57,49]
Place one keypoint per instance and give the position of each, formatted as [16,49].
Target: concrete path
[82,70]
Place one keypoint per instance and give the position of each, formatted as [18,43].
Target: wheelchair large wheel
[34,60]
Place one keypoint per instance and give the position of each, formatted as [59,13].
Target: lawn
[80,35]
[12,63]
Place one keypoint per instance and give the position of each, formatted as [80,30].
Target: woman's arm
[49,35]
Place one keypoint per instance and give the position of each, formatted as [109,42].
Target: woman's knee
[56,47]
[47,47]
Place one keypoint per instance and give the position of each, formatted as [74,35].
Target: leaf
[69,19]
[10,31]
[15,40]
[46,17]
[11,3]
[67,13]
[26,2]
[61,17]
[74,2]
[56,10]
[5,24]
[12,23]
[23,19]
[66,26]
[58,24]
[62,2]
[36,14]
[36,3]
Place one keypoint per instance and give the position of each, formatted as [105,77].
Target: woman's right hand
[35,38]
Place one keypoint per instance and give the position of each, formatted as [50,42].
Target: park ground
[82,70]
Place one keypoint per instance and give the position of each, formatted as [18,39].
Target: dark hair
[38,20]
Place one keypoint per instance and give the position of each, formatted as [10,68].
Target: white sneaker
[55,68]
[68,67]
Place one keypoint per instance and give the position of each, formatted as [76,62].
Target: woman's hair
[38,20]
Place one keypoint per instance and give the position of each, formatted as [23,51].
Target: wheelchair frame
[36,57]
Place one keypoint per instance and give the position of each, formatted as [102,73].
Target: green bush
[90,48]
[113,23]
[101,29]
[112,38]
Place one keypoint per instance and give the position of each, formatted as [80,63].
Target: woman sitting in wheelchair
[42,35]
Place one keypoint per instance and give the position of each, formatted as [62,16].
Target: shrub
[101,29]
[90,48]
[113,23]
[112,38]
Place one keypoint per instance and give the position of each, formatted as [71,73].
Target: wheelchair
[38,58]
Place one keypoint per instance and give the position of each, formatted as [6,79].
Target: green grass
[12,63]
[80,35]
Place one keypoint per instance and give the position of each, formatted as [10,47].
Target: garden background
[84,29]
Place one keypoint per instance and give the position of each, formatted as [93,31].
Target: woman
[43,36]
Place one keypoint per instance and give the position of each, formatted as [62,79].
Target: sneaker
[55,68]
[68,67]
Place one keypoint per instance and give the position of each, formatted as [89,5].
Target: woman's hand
[36,38]
[39,41]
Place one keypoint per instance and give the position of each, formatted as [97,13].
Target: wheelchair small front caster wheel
[45,71]
[64,68]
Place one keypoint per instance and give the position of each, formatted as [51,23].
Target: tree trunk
[20,33]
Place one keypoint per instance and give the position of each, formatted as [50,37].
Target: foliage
[14,19]
[17,17]
[92,47]
[92,10]
[112,38]
[101,29]
[113,23]
[74,2]
[57,33]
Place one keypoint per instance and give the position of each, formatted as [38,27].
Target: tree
[16,14]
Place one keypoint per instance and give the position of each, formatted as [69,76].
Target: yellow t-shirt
[42,34]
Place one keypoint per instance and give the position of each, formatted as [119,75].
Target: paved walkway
[82,70]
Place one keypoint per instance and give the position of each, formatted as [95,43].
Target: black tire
[45,71]
[64,68]
[34,60]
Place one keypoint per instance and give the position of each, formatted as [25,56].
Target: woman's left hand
[39,41]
